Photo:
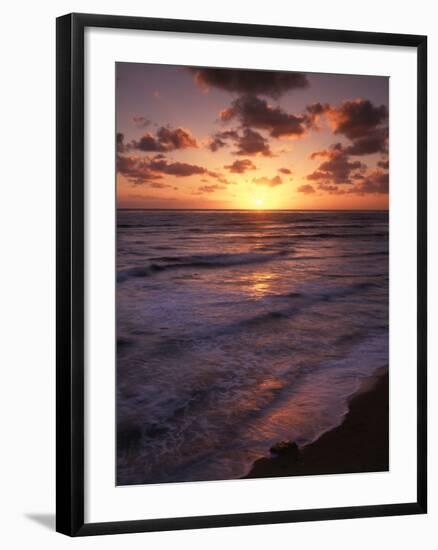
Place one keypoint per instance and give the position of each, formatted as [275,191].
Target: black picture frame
[70,273]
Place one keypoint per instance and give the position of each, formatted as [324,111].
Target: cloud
[285,171]
[251,142]
[383,164]
[307,189]
[178,169]
[243,81]
[209,189]
[136,170]
[219,139]
[179,138]
[375,142]
[375,182]
[364,125]
[314,113]
[149,170]
[254,112]
[147,142]
[359,120]
[221,179]
[141,121]
[337,168]
[240,166]
[158,185]
[318,109]
[330,189]
[120,142]
[166,139]
[270,182]
[332,150]
[247,142]
[356,119]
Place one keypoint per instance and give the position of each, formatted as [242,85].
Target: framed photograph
[241,274]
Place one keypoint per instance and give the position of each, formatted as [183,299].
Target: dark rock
[285,448]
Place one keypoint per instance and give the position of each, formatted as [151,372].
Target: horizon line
[261,209]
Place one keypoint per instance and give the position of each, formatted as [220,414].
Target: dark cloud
[285,171]
[307,189]
[363,123]
[240,166]
[254,112]
[218,176]
[337,168]
[314,112]
[331,189]
[270,182]
[166,139]
[383,164]
[179,138]
[209,189]
[136,170]
[120,142]
[247,142]
[158,185]
[224,180]
[141,121]
[365,126]
[216,143]
[332,150]
[147,142]
[318,109]
[149,170]
[375,142]
[220,139]
[251,142]
[178,169]
[356,119]
[243,81]
[375,182]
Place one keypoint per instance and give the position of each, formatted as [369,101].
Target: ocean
[238,329]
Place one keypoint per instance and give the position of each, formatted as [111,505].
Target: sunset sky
[238,139]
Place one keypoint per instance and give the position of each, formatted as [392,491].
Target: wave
[318,236]
[299,301]
[202,261]
[279,310]
[341,235]
[144,225]
[216,261]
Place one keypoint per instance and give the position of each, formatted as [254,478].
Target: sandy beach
[359,444]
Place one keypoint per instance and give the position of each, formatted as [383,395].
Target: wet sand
[359,444]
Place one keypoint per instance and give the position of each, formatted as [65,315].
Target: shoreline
[359,444]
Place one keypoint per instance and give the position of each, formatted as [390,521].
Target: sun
[259,202]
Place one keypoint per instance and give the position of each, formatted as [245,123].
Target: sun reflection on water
[259,283]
